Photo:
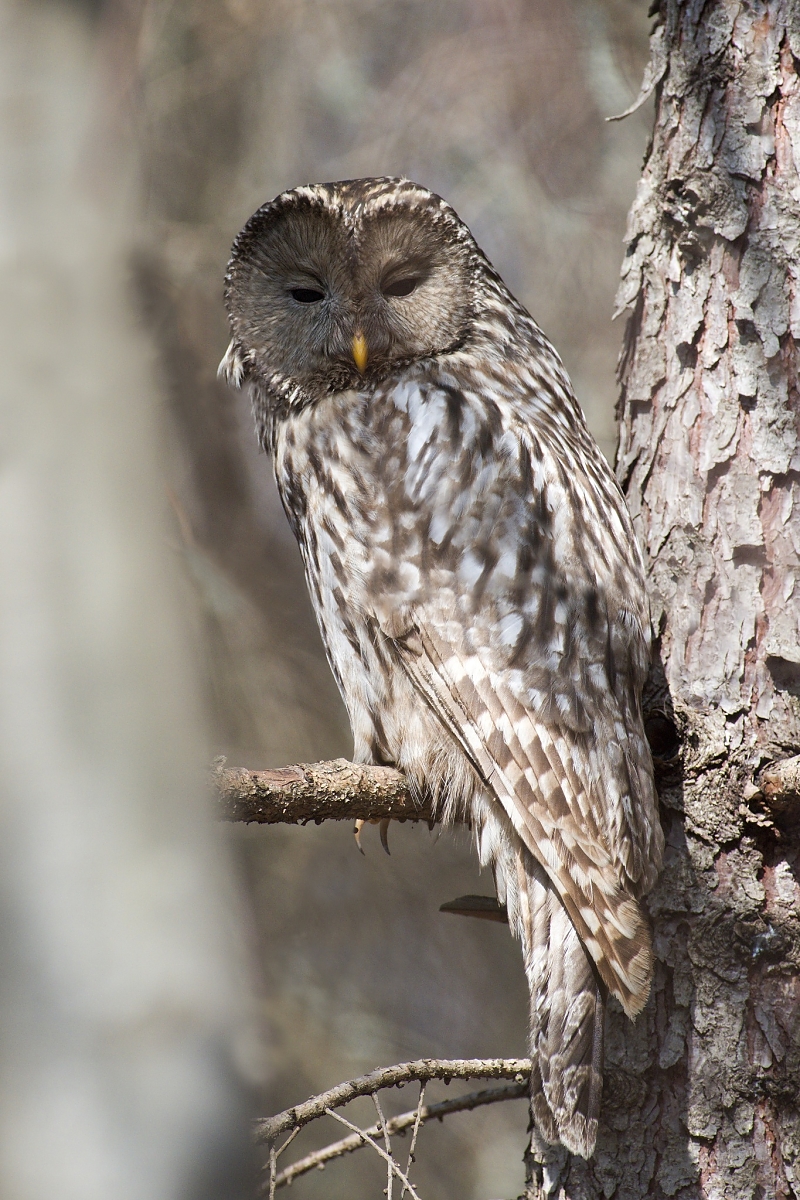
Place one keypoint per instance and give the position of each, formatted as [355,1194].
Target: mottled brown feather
[475,576]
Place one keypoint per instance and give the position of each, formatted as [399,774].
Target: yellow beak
[360,352]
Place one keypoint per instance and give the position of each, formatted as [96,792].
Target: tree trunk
[701,1095]
[123,998]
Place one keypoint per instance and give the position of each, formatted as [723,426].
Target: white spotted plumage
[477,584]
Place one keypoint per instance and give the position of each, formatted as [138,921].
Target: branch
[518,1069]
[394,1167]
[415,1131]
[777,791]
[428,1112]
[325,791]
[780,781]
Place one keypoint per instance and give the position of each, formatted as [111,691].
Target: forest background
[139,135]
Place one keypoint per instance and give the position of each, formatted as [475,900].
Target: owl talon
[384,828]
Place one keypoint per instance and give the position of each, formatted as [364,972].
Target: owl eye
[307,295]
[401,287]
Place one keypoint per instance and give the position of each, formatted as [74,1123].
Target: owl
[475,576]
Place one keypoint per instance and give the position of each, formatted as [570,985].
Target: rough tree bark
[701,1096]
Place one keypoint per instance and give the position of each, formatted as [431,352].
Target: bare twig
[324,791]
[488,908]
[518,1069]
[387,1141]
[273,1182]
[394,1167]
[417,1123]
[284,1145]
[341,790]
[274,1155]
[414,1118]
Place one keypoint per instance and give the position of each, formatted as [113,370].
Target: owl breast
[337,465]
[425,495]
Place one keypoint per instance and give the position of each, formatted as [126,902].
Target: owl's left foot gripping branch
[332,791]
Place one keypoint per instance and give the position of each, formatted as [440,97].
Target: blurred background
[141,135]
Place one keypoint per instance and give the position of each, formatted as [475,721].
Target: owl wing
[551,779]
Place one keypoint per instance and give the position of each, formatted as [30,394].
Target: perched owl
[475,576]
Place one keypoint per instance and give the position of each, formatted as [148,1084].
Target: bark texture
[701,1095]
[325,791]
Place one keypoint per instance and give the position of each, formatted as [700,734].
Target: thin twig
[386,1141]
[415,1118]
[415,1131]
[274,1155]
[518,1069]
[287,1143]
[393,1166]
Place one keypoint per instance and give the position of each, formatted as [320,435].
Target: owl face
[334,285]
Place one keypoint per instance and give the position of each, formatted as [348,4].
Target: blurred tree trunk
[123,1001]
[701,1095]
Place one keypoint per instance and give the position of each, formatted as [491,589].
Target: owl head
[334,286]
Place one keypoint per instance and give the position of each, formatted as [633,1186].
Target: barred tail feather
[568,998]
[567,1017]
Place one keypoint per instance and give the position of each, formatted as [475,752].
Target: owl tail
[567,1016]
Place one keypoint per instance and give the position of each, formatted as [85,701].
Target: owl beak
[360,352]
